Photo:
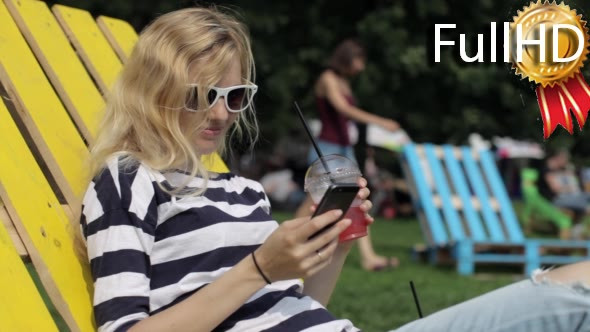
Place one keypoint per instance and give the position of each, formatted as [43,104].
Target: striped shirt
[149,250]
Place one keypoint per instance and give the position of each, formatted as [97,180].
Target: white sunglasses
[237,98]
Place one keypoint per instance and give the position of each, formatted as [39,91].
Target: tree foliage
[436,102]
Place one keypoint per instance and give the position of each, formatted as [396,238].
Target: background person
[559,184]
[336,107]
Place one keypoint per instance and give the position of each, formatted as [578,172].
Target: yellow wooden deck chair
[60,62]
[11,231]
[119,34]
[33,208]
[47,235]
[18,294]
[41,112]
[93,48]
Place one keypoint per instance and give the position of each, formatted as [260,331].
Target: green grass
[380,301]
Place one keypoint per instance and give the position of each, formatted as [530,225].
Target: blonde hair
[142,117]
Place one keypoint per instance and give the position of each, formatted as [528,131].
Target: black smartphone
[339,196]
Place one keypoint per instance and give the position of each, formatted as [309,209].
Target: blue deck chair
[464,210]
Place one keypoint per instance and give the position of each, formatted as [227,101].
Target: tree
[436,102]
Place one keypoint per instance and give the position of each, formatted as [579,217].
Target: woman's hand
[365,206]
[288,252]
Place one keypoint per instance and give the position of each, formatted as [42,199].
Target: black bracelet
[259,269]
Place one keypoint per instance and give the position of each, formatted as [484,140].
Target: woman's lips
[212,131]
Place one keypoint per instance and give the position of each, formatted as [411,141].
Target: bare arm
[334,96]
[320,286]
[553,183]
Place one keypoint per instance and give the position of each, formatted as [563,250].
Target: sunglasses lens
[236,99]
[211,95]
[192,100]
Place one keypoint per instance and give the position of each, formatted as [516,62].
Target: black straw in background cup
[416,299]
[312,139]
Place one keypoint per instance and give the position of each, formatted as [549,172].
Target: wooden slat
[120,35]
[17,242]
[70,214]
[43,226]
[492,223]
[450,216]
[41,111]
[424,226]
[458,203]
[499,258]
[21,305]
[60,62]
[93,48]
[555,251]
[476,229]
[561,260]
[499,191]
[433,218]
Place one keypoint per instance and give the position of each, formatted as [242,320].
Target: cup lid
[334,176]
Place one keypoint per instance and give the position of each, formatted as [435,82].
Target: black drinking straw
[310,135]
[416,299]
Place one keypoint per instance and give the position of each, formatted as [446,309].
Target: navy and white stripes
[149,251]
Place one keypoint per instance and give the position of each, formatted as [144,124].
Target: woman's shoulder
[122,184]
[328,76]
[122,172]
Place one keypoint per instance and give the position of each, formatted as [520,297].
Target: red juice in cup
[358,227]
[337,169]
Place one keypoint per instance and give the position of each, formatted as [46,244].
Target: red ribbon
[556,102]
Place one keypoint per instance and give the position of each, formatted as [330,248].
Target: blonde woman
[173,247]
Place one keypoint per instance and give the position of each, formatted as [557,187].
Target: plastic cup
[337,169]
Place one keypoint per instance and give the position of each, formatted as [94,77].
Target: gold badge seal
[553,60]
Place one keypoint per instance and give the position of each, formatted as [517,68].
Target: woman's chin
[206,146]
[206,151]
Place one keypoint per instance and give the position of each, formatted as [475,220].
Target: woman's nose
[219,111]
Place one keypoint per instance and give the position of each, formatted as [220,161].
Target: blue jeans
[330,148]
[575,201]
[528,305]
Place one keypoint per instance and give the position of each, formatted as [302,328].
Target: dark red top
[334,123]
